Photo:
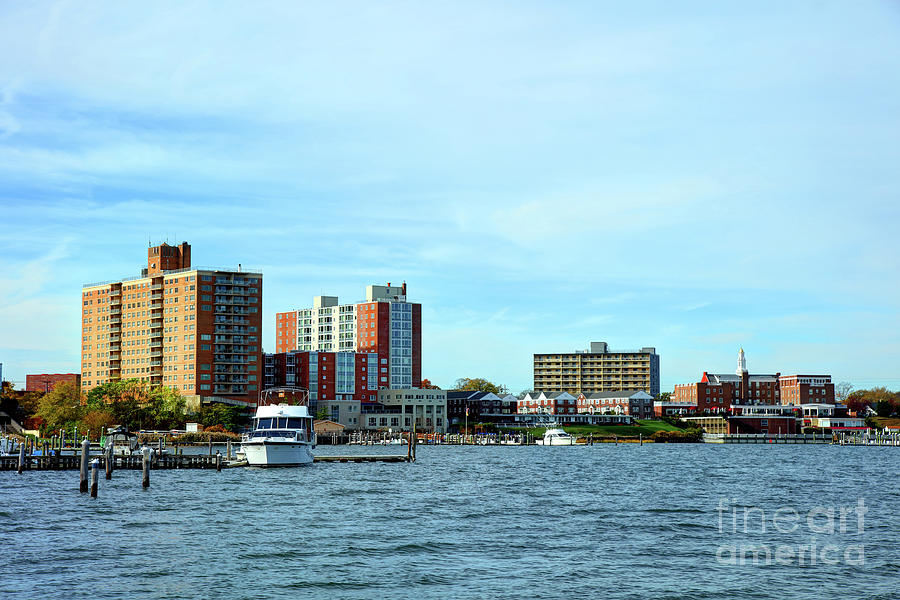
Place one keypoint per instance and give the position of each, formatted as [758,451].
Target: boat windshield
[280,422]
[278,433]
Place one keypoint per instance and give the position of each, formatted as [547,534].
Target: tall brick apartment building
[385,324]
[196,330]
[716,392]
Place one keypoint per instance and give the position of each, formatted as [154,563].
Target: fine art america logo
[818,531]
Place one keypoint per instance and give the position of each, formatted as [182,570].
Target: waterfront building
[720,392]
[400,409]
[483,407]
[554,403]
[806,389]
[673,409]
[385,324]
[636,403]
[195,329]
[45,382]
[598,369]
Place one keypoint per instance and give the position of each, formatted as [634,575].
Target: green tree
[884,408]
[322,414]
[229,417]
[62,407]
[164,408]
[663,396]
[479,384]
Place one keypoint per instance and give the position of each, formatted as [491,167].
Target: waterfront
[609,521]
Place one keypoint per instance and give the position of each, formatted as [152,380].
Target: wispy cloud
[561,172]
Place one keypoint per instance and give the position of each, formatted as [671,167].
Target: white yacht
[554,436]
[282,435]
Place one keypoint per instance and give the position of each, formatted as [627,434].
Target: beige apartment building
[597,370]
[196,330]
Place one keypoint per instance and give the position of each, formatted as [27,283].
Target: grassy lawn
[887,422]
[647,428]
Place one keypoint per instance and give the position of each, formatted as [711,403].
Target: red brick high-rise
[195,330]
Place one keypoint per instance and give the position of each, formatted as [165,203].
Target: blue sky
[691,176]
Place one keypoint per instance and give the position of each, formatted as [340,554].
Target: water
[605,521]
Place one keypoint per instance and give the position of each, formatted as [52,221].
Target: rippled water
[606,521]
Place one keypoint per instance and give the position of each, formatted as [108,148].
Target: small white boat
[282,436]
[123,442]
[556,437]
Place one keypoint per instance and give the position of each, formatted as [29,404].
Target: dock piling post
[108,462]
[641,437]
[85,454]
[145,480]
[228,450]
[21,458]
[218,462]
[95,474]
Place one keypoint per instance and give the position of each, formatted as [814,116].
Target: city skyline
[540,176]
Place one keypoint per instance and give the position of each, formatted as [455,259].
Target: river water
[626,521]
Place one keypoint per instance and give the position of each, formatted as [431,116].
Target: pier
[135,462]
[358,458]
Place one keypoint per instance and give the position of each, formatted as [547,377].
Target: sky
[693,176]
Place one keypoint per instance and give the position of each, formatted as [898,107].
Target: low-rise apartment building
[636,403]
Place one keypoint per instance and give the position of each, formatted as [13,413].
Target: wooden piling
[145,480]
[108,462]
[228,450]
[85,454]
[21,458]
[218,462]
[641,437]
[95,474]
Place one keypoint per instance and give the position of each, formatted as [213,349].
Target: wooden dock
[134,462]
[358,458]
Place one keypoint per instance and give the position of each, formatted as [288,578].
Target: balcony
[156,353]
[115,310]
[156,286]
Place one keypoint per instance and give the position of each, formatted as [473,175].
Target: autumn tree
[856,401]
[480,384]
[427,385]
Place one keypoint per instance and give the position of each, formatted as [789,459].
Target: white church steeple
[742,363]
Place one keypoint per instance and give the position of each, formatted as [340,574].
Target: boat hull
[277,454]
[556,442]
